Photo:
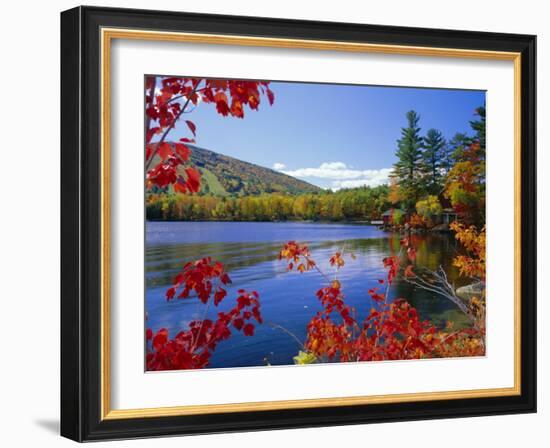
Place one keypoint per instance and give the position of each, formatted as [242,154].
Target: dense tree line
[432,173]
[356,204]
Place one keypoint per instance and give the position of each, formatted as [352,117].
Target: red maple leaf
[191,126]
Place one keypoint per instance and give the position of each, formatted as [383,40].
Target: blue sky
[331,135]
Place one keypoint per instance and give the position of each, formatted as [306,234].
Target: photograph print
[296,223]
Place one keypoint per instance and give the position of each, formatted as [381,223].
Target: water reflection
[249,252]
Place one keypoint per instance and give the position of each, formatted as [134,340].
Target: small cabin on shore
[386,217]
[447,216]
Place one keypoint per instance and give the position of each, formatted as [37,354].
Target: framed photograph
[275,224]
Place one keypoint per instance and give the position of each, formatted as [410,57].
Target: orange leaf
[409,271]
[221,103]
[237,109]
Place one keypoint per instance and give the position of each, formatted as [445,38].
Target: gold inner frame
[107,35]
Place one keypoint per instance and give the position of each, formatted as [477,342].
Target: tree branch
[169,128]
[441,287]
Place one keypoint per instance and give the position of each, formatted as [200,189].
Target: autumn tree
[394,195]
[429,208]
[465,183]
[357,204]
[167,100]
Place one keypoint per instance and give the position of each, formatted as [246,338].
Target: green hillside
[222,175]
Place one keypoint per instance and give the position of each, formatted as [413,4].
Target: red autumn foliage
[417,222]
[337,260]
[375,295]
[167,99]
[192,127]
[199,276]
[165,173]
[165,105]
[409,271]
[192,348]
[392,263]
[297,256]
[391,331]
[182,151]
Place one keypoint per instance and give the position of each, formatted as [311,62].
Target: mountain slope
[243,178]
[223,175]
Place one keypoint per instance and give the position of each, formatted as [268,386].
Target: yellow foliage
[395,195]
[417,221]
[472,264]
[429,207]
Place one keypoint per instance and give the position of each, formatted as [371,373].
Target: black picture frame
[81,224]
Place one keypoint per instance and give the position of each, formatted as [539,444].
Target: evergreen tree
[479,127]
[407,169]
[432,158]
[456,146]
[447,161]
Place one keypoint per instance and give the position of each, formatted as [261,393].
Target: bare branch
[292,335]
[440,286]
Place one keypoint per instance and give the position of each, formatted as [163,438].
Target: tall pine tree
[407,169]
[457,145]
[432,161]
[479,127]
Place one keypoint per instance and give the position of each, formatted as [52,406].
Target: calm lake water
[249,252]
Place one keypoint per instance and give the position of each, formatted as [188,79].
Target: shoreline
[389,229]
[364,223]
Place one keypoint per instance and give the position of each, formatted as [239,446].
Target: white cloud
[333,166]
[279,166]
[343,176]
[377,178]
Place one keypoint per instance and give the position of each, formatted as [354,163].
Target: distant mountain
[223,175]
